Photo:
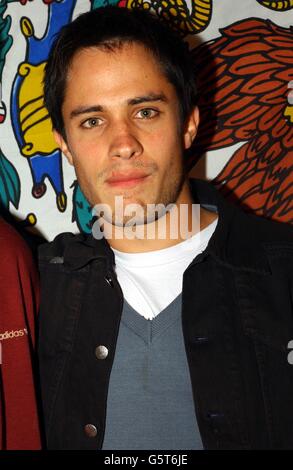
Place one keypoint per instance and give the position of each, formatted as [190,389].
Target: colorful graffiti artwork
[178,14]
[244,74]
[5,44]
[32,125]
[9,179]
[246,85]
[280,5]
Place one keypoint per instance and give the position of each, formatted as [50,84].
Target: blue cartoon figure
[31,122]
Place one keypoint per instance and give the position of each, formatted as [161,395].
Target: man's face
[121,119]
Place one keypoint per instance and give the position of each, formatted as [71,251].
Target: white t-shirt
[150,281]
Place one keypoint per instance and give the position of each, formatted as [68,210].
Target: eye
[91,122]
[147,113]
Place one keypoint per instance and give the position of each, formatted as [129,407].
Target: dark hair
[111,27]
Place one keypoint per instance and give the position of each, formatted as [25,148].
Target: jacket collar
[236,239]
[234,243]
[84,248]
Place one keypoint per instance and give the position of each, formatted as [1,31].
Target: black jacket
[237,314]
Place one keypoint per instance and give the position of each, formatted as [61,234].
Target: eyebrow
[131,102]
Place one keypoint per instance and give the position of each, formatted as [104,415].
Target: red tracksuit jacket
[19,292]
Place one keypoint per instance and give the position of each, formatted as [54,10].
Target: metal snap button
[90,430]
[101,352]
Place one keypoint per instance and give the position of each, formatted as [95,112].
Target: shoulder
[60,243]
[269,231]
[274,239]
[12,245]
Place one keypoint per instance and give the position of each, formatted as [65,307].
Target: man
[19,293]
[155,342]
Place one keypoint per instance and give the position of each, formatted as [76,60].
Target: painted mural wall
[243,61]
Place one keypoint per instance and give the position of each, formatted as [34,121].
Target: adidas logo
[13,334]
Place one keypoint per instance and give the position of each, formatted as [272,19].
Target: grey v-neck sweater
[150,404]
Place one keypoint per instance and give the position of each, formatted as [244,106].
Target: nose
[125,144]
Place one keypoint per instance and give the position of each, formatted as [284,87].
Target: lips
[123,177]
[128,179]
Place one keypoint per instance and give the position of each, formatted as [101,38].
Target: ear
[191,127]
[63,146]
